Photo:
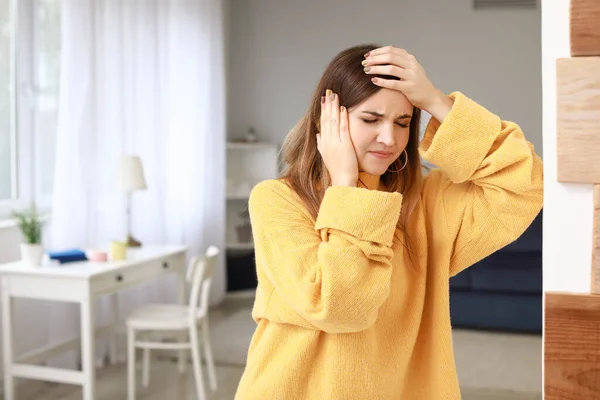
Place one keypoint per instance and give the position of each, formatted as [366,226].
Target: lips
[381,154]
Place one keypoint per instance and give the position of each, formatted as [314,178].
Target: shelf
[240,246]
[247,165]
[249,145]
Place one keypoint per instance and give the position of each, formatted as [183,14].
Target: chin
[376,170]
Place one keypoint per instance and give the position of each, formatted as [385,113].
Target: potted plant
[30,225]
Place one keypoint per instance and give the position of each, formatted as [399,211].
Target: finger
[388,83]
[344,130]
[325,116]
[328,133]
[386,49]
[391,70]
[335,116]
[400,60]
[322,116]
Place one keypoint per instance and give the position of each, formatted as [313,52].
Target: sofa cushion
[461,281]
[530,240]
[496,311]
[508,272]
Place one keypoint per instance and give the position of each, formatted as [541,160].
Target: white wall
[9,244]
[279,49]
[568,208]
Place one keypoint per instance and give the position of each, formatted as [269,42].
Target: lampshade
[130,174]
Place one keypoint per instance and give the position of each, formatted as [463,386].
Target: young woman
[354,248]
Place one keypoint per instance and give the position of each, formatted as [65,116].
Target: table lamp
[130,178]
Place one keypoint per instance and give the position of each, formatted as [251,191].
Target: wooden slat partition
[572,347]
[578,119]
[585,28]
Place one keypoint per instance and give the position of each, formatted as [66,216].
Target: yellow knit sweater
[341,312]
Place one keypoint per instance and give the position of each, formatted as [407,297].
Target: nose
[386,135]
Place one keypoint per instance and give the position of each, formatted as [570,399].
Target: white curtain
[140,77]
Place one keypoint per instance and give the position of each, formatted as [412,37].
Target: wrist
[439,106]
[344,182]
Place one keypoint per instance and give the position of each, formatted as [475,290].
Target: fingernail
[367,55]
[367,69]
[342,108]
[374,80]
[328,93]
[322,99]
[333,96]
[364,63]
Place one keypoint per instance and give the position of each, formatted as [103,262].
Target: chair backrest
[200,273]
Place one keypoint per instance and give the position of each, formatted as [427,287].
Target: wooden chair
[189,322]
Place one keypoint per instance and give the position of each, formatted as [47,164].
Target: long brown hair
[305,171]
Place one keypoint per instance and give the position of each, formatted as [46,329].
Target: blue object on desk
[67,256]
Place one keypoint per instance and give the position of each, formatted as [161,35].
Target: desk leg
[88,346]
[112,343]
[182,360]
[7,344]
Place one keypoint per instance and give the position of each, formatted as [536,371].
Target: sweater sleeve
[334,272]
[489,185]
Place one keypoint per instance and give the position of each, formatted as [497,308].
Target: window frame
[12,201]
[23,93]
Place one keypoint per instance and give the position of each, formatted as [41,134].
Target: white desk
[79,282]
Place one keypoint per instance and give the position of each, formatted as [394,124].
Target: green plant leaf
[29,224]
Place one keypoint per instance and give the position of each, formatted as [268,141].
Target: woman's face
[379,128]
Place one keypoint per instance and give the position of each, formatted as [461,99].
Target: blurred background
[204,92]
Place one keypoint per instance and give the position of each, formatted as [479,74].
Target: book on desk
[67,256]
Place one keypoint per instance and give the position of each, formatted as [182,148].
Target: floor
[491,366]
[167,384]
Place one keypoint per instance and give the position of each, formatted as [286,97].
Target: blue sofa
[502,292]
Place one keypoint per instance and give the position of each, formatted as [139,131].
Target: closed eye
[372,121]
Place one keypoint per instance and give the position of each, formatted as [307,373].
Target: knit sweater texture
[342,312]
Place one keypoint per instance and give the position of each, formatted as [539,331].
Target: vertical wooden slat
[571,347]
[578,119]
[585,28]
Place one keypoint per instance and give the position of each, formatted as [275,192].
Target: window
[46,61]
[7,144]
[28,100]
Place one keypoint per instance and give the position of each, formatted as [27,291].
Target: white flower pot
[32,254]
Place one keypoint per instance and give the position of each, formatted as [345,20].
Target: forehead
[388,102]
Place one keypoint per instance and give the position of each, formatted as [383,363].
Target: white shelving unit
[247,165]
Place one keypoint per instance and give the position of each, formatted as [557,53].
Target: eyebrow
[376,114]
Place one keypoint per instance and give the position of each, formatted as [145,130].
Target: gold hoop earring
[405,162]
